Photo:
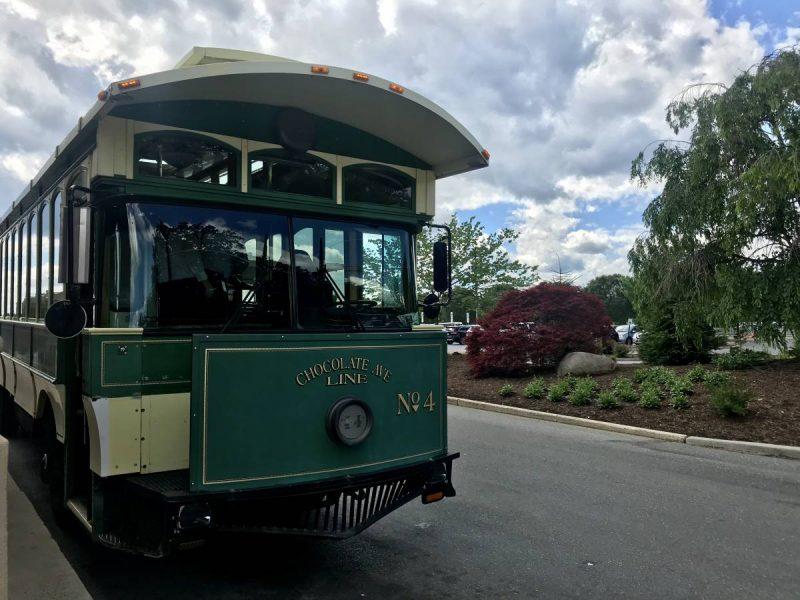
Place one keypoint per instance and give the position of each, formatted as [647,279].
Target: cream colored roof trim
[408,120]
[200,55]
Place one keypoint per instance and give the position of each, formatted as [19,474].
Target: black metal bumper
[337,508]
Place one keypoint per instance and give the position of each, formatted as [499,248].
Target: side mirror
[441,267]
[431,306]
[65,319]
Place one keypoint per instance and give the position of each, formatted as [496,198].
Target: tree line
[484,271]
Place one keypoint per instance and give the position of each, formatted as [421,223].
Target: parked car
[452,334]
[463,331]
[450,329]
[628,334]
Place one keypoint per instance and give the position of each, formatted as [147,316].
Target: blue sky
[776,14]
[564,93]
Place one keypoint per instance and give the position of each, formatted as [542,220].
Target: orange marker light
[434,497]
[102,95]
[320,69]
[397,88]
[360,76]
[128,84]
[485,153]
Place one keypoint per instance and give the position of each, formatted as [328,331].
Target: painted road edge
[668,436]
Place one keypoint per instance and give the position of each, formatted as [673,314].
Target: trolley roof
[359,102]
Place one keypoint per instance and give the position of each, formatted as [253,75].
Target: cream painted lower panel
[165,429]
[55,392]
[114,434]
[8,368]
[24,390]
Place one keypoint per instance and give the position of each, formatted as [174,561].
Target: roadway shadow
[229,566]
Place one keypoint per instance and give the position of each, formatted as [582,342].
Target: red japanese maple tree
[534,328]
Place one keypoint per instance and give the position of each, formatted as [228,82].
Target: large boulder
[585,363]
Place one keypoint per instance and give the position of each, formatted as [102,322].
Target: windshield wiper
[343,299]
[237,313]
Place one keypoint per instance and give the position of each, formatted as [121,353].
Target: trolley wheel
[52,466]
[8,417]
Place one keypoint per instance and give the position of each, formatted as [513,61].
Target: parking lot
[543,510]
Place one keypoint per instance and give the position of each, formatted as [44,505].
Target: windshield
[230,269]
[352,274]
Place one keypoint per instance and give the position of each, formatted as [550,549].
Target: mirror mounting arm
[83,190]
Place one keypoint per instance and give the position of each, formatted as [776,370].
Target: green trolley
[209,309]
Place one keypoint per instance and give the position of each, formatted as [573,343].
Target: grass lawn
[772,417]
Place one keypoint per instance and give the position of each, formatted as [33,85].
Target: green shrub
[607,399]
[715,379]
[506,390]
[623,390]
[572,381]
[731,401]
[559,390]
[696,374]
[661,376]
[649,396]
[639,375]
[661,344]
[740,358]
[620,350]
[679,389]
[678,401]
[680,386]
[537,388]
[583,391]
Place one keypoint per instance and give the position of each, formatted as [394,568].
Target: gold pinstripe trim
[32,369]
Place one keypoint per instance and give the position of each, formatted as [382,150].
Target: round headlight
[349,421]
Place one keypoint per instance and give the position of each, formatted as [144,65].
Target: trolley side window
[185,156]
[280,171]
[378,184]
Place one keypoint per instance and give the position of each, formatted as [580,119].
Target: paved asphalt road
[544,510]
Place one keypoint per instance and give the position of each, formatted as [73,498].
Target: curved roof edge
[370,103]
[205,55]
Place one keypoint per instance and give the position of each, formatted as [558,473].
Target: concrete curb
[792,452]
[579,421]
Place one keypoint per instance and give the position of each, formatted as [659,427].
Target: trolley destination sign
[209,308]
[353,370]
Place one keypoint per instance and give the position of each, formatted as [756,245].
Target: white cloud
[23,165]
[17,7]
[387,13]
[585,241]
[563,94]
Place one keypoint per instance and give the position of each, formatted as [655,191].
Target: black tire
[8,417]
[53,465]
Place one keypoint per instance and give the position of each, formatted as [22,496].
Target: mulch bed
[773,417]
